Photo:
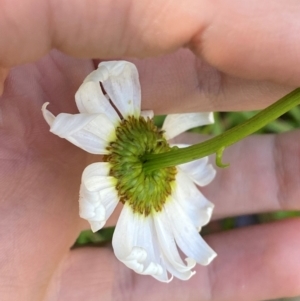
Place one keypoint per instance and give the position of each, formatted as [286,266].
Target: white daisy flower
[163,209]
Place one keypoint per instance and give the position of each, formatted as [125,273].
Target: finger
[39,178]
[166,81]
[253,39]
[262,46]
[263,175]
[252,264]
[256,263]
[180,82]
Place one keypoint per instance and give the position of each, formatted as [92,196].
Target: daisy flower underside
[163,210]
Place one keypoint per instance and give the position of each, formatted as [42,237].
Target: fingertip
[263,46]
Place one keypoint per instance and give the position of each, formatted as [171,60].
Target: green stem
[183,155]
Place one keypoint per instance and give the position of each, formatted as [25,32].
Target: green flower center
[144,191]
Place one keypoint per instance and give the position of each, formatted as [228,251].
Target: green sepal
[219,157]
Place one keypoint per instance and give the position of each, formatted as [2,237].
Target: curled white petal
[91,132]
[133,244]
[49,117]
[176,124]
[169,250]
[192,201]
[98,196]
[109,199]
[96,169]
[199,170]
[182,275]
[187,237]
[120,80]
[96,225]
[86,209]
[98,183]
[90,99]
[98,213]
[147,114]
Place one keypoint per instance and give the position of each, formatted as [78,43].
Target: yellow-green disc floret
[145,192]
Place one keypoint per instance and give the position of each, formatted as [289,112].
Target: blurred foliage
[87,237]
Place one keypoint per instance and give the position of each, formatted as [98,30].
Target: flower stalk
[217,144]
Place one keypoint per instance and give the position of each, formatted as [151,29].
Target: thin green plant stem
[178,156]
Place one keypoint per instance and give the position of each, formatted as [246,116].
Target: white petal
[96,226]
[86,209]
[90,99]
[192,201]
[109,199]
[147,114]
[182,275]
[120,80]
[173,261]
[176,124]
[90,207]
[163,277]
[49,117]
[133,244]
[91,132]
[88,191]
[199,171]
[96,169]
[200,177]
[98,196]
[187,237]
[98,183]
[94,179]
[197,164]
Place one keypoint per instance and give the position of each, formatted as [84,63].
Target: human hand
[41,174]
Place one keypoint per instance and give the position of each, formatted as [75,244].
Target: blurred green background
[223,121]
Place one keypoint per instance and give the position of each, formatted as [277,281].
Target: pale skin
[237,55]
